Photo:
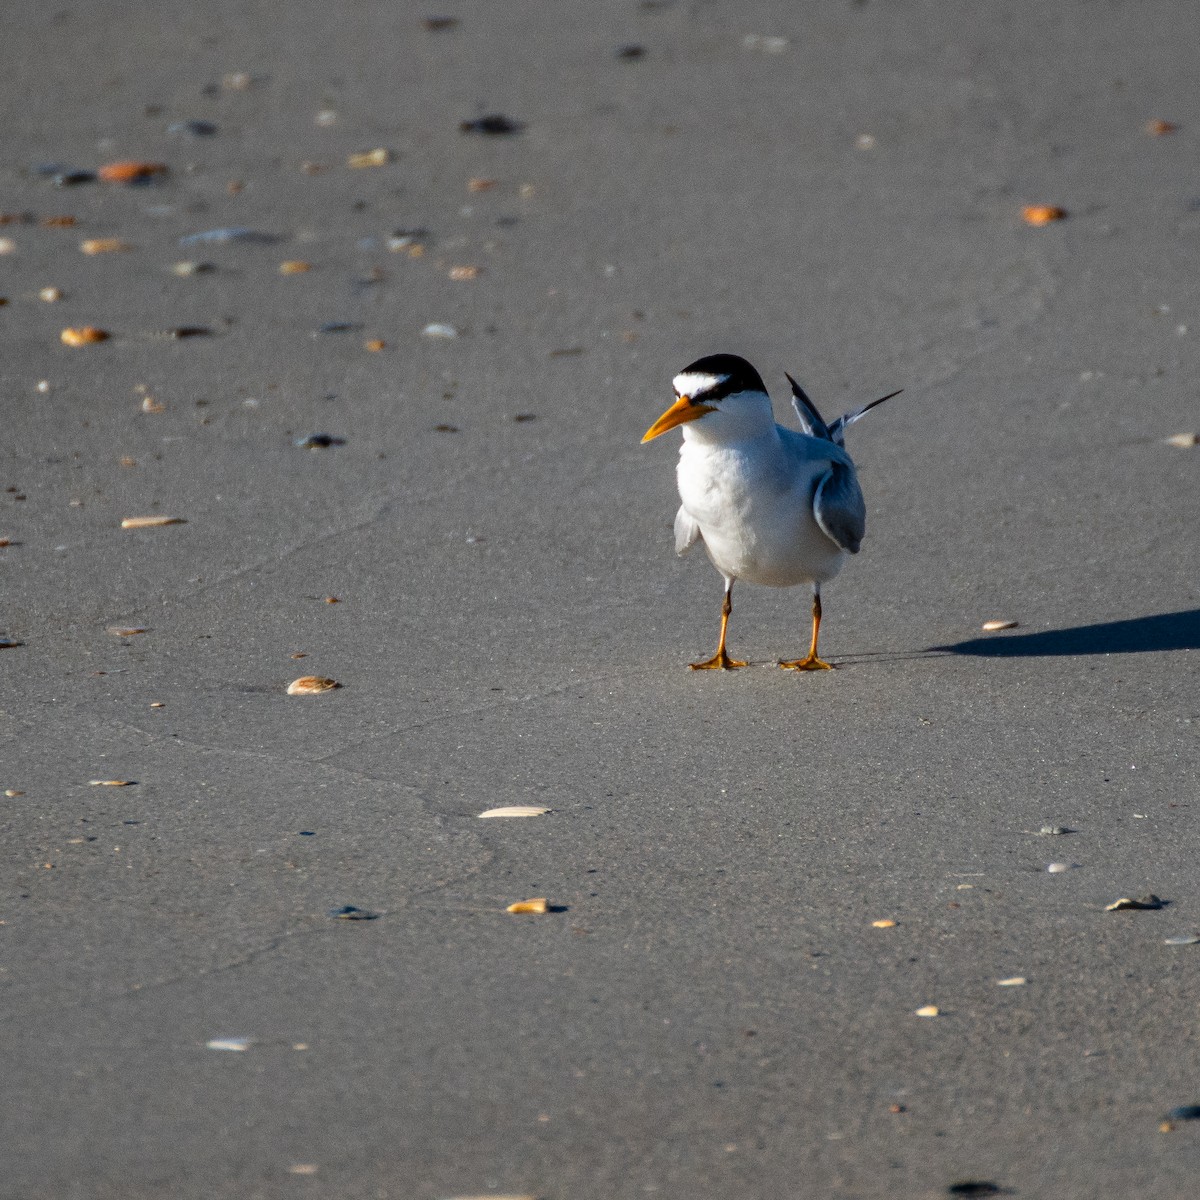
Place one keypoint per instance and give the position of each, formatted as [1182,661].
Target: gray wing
[687,531]
[811,420]
[839,507]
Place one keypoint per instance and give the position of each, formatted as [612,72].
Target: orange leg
[721,661]
[811,662]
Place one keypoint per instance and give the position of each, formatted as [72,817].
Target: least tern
[772,506]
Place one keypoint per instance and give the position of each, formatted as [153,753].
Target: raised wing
[811,420]
[687,531]
[837,431]
[839,507]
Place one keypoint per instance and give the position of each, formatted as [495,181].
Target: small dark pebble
[437,24]
[446,428]
[631,53]
[189,331]
[525,417]
[337,327]
[1185,1112]
[974,1187]
[72,178]
[319,441]
[307,833]
[195,128]
[348,912]
[494,124]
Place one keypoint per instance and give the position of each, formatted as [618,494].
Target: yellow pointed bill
[682,411]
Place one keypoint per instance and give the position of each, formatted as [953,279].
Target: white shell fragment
[436,329]
[930,1010]
[514,810]
[1186,939]
[1014,981]
[1183,440]
[1059,868]
[236,1044]
[311,685]
[538,905]
[150,522]
[996,625]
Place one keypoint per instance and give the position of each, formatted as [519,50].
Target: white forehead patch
[690,383]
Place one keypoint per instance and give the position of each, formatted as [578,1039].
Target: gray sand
[710,1013]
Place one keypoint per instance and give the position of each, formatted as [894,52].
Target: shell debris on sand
[110,782]
[1012,981]
[150,522]
[1042,214]
[237,1044]
[929,1010]
[86,335]
[311,685]
[1145,903]
[130,172]
[461,273]
[126,630]
[370,158]
[537,905]
[110,245]
[514,810]
[995,625]
[50,295]
[294,267]
[885,923]
[1183,440]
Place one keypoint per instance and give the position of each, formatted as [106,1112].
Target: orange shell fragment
[131,171]
[1042,214]
[82,337]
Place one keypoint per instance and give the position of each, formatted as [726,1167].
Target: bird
[772,506]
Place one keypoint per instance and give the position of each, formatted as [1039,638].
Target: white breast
[753,502]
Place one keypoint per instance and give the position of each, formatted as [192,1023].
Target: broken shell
[538,905]
[514,810]
[1014,981]
[126,631]
[7,246]
[12,793]
[294,267]
[83,337]
[235,1044]
[370,158]
[1186,939]
[375,345]
[1042,214]
[481,185]
[1142,902]
[1183,440]
[191,268]
[150,405]
[1057,868]
[464,273]
[110,782]
[436,330]
[348,912]
[1159,128]
[930,1010]
[993,626]
[311,685]
[886,923]
[150,522]
[50,294]
[103,245]
[130,172]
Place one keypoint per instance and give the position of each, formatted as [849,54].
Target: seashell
[87,335]
[311,685]
[150,522]
[130,172]
[514,810]
[538,905]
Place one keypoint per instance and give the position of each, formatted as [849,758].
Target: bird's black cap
[730,374]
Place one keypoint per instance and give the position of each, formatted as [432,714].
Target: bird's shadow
[1166,631]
